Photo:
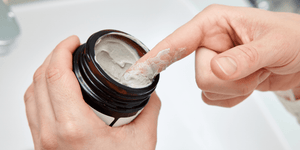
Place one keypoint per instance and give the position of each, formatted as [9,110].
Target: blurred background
[30,29]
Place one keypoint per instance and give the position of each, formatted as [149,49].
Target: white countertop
[185,122]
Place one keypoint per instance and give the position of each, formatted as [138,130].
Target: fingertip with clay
[176,46]
[150,65]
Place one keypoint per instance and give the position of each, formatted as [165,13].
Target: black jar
[114,103]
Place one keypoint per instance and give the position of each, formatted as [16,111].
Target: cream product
[115,56]
[99,65]
[141,73]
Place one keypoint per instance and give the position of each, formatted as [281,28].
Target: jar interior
[116,53]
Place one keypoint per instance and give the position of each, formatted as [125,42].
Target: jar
[114,103]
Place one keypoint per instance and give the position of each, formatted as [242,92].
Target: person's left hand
[59,118]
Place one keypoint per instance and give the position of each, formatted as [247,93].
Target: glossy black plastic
[99,90]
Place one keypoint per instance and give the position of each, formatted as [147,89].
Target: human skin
[59,118]
[264,46]
[238,50]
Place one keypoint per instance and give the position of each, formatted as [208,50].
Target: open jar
[99,63]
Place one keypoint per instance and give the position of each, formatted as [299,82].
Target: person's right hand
[238,50]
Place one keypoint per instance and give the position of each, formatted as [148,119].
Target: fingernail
[227,65]
[263,76]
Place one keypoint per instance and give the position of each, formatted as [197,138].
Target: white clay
[115,57]
[142,73]
[118,60]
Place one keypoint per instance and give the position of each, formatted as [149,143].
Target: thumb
[240,61]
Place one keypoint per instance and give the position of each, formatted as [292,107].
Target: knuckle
[53,74]
[264,86]
[273,83]
[71,132]
[249,53]
[203,82]
[28,96]
[32,125]
[48,141]
[39,75]
[245,90]
[213,7]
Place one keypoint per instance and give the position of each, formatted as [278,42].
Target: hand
[238,50]
[59,118]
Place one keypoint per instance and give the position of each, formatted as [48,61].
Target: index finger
[176,46]
[210,28]
[179,44]
[182,41]
[63,87]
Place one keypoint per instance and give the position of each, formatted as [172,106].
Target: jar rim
[99,89]
[91,52]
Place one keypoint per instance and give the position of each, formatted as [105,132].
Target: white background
[185,122]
